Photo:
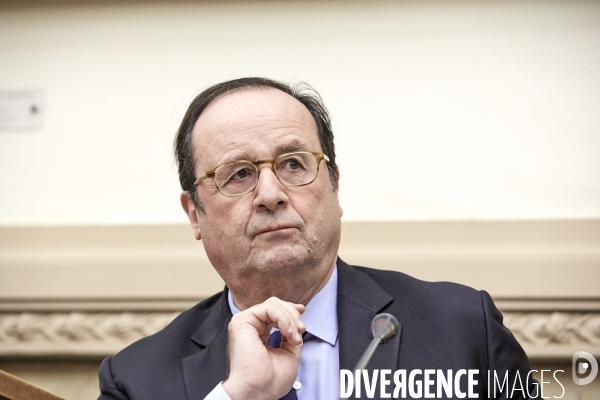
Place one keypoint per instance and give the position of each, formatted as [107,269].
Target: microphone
[384,327]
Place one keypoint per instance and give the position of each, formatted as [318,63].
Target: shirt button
[297,385]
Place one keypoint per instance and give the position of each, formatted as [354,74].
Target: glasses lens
[236,178]
[296,169]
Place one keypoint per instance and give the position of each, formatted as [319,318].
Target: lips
[263,223]
[274,228]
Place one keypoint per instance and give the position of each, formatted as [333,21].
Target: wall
[474,110]
[444,112]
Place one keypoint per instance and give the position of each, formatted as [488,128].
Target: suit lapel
[202,371]
[360,298]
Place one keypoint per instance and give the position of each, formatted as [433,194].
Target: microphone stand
[364,360]
[384,327]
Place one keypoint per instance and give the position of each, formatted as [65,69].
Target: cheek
[224,239]
[226,218]
[319,210]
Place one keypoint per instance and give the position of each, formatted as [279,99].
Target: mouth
[276,229]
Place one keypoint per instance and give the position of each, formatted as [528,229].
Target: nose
[269,192]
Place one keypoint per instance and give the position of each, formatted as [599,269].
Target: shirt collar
[320,316]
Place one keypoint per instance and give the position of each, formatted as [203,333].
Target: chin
[283,260]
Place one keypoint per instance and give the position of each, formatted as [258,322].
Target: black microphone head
[385,326]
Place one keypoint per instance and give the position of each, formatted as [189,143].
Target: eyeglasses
[240,177]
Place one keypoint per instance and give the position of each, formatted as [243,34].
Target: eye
[235,173]
[293,164]
[241,174]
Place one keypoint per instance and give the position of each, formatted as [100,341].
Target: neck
[295,289]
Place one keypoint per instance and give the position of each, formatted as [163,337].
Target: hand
[256,370]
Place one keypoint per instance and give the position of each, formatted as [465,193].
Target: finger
[296,327]
[290,325]
[277,312]
[300,308]
[274,311]
[294,348]
[262,317]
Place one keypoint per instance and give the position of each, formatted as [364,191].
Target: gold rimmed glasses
[240,177]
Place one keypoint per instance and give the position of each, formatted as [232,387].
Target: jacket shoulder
[411,289]
[157,358]
[177,331]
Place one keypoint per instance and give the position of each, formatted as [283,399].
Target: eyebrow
[290,147]
[237,157]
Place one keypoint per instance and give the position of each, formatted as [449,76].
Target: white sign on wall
[21,109]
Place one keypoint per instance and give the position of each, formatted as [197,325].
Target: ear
[192,213]
[337,189]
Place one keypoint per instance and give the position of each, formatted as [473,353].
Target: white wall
[476,110]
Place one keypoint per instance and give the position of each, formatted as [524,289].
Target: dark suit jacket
[444,326]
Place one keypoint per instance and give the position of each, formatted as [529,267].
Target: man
[260,188]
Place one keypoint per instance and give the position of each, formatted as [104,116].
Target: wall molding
[509,259]
[544,335]
[555,335]
[76,333]
[91,290]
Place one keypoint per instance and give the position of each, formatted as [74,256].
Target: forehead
[252,123]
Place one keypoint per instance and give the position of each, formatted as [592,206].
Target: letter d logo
[582,367]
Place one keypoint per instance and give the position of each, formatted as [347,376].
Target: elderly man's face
[275,235]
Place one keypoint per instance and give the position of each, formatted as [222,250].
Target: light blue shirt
[318,372]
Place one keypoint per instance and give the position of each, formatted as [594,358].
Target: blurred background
[467,133]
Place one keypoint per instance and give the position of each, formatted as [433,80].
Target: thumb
[294,349]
